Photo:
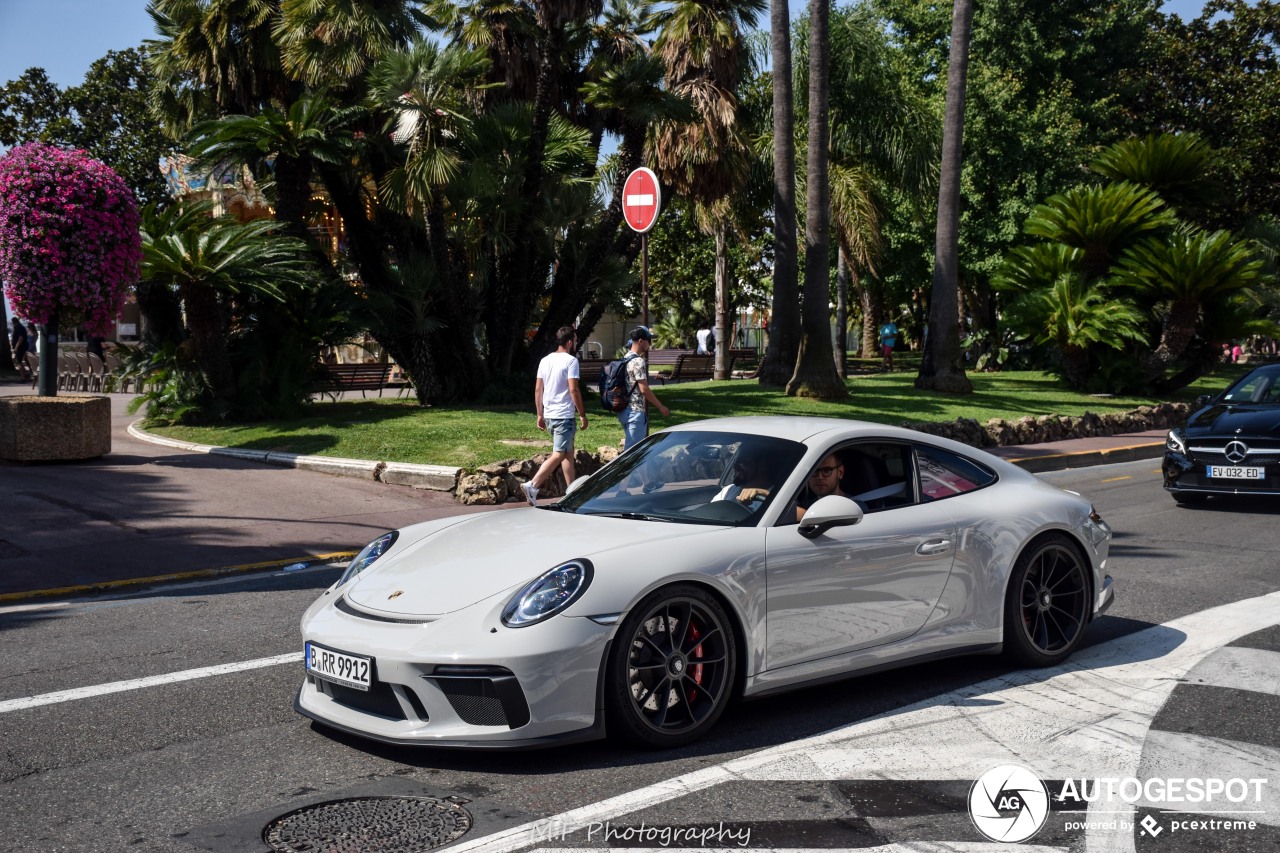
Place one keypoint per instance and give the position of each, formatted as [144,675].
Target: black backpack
[615,394]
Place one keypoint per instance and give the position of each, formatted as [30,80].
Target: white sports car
[716,560]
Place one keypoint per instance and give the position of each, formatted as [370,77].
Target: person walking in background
[558,398]
[19,343]
[634,418]
[706,340]
[888,339]
[93,346]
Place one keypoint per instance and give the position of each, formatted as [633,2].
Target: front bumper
[456,681]
[1184,473]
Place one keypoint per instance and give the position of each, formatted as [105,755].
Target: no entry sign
[641,199]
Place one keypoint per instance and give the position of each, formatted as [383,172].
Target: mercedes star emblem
[1237,451]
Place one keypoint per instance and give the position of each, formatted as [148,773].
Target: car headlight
[366,557]
[1175,441]
[549,594]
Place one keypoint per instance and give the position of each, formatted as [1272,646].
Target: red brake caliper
[695,672]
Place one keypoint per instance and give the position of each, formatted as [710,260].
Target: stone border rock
[1040,429]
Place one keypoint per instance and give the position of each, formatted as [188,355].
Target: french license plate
[339,667]
[1236,472]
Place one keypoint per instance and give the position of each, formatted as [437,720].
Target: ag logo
[1008,803]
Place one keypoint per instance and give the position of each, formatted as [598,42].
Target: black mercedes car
[1231,443]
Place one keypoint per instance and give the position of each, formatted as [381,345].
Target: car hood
[1232,420]
[454,567]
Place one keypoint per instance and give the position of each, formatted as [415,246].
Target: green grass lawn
[395,430]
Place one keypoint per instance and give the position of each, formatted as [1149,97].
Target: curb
[438,478]
[1086,458]
[202,574]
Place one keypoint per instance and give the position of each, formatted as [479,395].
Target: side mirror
[577,483]
[1203,400]
[826,513]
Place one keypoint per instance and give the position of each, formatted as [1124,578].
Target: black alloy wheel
[671,668]
[1047,606]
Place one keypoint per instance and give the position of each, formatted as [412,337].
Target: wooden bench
[337,379]
[690,368]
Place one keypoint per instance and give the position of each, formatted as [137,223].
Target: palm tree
[1188,272]
[815,374]
[779,360]
[334,42]
[1102,221]
[214,56]
[207,259]
[1176,166]
[704,49]
[286,142]
[941,368]
[1056,304]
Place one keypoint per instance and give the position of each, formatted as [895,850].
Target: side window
[1250,391]
[944,474]
[876,474]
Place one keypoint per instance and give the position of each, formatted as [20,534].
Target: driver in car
[752,478]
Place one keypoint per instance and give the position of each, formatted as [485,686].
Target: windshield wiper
[555,508]
[631,516]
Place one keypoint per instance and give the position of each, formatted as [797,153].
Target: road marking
[905,847]
[1255,670]
[1117,479]
[140,683]
[1186,756]
[1088,717]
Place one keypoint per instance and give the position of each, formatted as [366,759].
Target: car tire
[1189,497]
[1047,604]
[671,668]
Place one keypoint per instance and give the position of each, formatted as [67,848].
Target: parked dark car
[1231,443]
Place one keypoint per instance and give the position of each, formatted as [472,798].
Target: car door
[862,585]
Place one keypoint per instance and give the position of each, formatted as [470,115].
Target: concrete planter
[51,429]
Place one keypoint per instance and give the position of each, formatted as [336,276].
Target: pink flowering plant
[70,246]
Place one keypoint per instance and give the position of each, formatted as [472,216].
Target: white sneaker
[530,492]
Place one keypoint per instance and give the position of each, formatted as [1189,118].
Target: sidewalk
[147,512]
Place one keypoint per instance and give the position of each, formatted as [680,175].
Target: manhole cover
[359,825]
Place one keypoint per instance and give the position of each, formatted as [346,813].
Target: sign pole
[644,279]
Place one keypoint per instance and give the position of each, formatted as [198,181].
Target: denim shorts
[562,432]
[635,426]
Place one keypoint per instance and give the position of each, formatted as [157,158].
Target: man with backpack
[558,398]
[634,418]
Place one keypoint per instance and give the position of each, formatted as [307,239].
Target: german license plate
[1236,472]
[339,667]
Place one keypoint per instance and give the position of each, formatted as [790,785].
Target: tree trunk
[843,274]
[724,331]
[941,368]
[779,358]
[209,339]
[871,308]
[1178,332]
[815,374]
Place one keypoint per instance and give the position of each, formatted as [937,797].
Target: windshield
[1260,386]
[690,477]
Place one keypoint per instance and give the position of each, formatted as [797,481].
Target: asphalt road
[207,762]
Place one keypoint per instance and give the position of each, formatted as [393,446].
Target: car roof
[800,429]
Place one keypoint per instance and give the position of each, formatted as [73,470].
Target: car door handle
[936,546]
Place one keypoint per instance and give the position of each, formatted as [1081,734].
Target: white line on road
[140,683]
[1101,703]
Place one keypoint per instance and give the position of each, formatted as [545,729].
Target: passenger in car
[823,481]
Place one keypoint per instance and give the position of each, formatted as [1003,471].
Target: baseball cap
[640,333]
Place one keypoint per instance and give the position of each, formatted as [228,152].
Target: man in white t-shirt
[558,397]
[706,340]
